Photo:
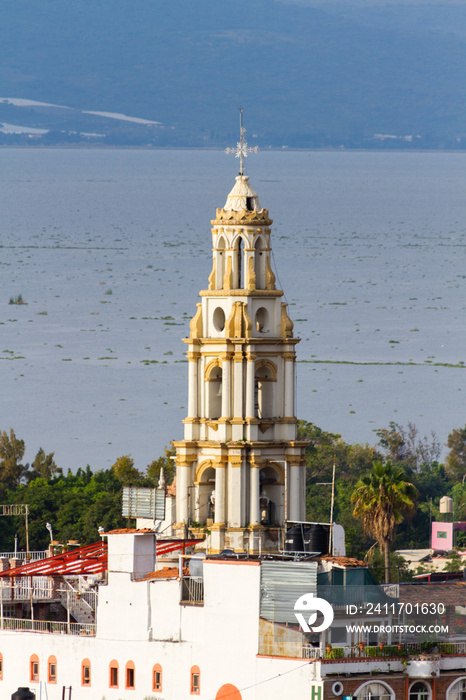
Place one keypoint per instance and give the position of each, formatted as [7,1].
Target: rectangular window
[113,677]
[9,610]
[157,680]
[195,685]
[130,677]
[86,675]
[35,671]
[52,673]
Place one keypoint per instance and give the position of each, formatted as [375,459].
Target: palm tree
[381,499]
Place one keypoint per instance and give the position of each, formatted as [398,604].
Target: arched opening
[86,672]
[205,506]
[220,272]
[34,669]
[52,669]
[157,678]
[214,392]
[195,685]
[419,691]
[375,691]
[239,263]
[264,378]
[259,264]
[262,320]
[113,674]
[228,692]
[271,495]
[130,675]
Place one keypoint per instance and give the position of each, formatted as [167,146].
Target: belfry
[240,468]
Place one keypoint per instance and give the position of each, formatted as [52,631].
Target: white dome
[242,196]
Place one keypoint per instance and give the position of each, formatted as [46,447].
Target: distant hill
[308,74]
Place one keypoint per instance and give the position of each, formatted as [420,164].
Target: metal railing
[296,649]
[46,626]
[83,596]
[192,590]
[29,556]
[25,588]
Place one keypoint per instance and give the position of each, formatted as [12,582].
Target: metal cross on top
[242,149]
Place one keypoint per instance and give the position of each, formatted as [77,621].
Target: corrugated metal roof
[282,583]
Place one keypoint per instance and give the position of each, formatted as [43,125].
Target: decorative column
[289,358]
[250,367]
[254,511]
[182,494]
[219,494]
[238,384]
[192,385]
[294,495]
[226,383]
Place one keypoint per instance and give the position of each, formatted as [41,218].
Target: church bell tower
[240,469]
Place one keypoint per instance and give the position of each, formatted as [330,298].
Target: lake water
[110,248]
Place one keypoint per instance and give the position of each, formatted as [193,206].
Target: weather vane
[242,149]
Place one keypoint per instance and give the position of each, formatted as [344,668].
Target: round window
[219,319]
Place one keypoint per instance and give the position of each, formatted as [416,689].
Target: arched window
[375,691]
[239,263]
[265,375]
[113,675]
[34,669]
[195,687]
[1,667]
[259,264]
[86,672]
[228,692]
[157,678]
[419,691]
[52,669]
[214,390]
[221,262]
[130,676]
[457,690]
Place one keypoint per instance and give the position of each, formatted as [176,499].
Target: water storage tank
[316,539]
[446,504]
[195,566]
[294,539]
[23,694]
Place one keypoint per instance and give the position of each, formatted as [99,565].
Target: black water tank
[316,539]
[23,694]
[294,539]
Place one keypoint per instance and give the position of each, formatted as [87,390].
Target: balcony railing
[47,627]
[25,588]
[296,649]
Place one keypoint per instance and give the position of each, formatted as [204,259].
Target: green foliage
[454,562]
[11,454]
[404,445]
[126,472]
[75,504]
[399,571]
[455,462]
[164,462]
[381,499]
[43,467]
